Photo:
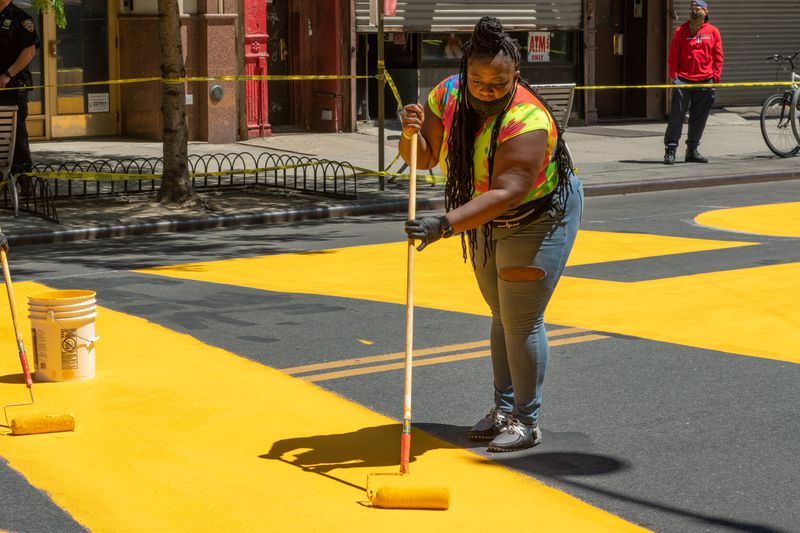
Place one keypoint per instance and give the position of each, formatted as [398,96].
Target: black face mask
[492,107]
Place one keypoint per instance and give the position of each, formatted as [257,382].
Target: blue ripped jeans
[519,344]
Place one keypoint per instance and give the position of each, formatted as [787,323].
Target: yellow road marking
[432,361]
[780,220]
[400,355]
[170,426]
[381,358]
[728,311]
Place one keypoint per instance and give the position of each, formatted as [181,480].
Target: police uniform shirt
[17,32]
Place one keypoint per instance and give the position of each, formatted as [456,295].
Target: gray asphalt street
[669,436]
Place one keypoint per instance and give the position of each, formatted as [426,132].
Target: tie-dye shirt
[526,113]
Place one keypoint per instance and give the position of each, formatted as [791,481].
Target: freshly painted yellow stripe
[780,220]
[381,358]
[748,312]
[593,247]
[751,311]
[377,272]
[350,372]
[432,361]
[400,355]
[175,435]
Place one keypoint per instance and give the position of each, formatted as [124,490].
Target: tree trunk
[175,184]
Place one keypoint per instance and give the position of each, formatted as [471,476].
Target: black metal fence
[207,171]
[35,197]
[54,182]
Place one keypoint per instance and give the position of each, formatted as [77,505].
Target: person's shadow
[377,446]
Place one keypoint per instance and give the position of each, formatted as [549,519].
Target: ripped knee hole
[521,274]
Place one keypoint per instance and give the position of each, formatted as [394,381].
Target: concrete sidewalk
[611,159]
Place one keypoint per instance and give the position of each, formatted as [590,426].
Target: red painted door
[255,64]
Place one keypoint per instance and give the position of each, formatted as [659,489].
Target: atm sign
[539,46]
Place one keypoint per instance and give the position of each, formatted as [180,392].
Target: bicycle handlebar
[779,57]
[790,59]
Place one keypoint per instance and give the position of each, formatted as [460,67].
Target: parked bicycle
[779,116]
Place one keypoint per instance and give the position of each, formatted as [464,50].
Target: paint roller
[29,424]
[400,492]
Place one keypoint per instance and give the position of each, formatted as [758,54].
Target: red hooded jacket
[695,57]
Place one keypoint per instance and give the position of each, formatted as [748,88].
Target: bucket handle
[52,316]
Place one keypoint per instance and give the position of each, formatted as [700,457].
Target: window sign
[98,102]
[539,46]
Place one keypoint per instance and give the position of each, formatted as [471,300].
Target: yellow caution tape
[117,176]
[674,85]
[393,87]
[387,77]
[89,175]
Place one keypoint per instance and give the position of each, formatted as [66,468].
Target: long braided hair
[487,41]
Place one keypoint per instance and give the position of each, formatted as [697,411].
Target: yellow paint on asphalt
[779,220]
[593,247]
[748,311]
[433,360]
[377,272]
[751,311]
[176,435]
[315,367]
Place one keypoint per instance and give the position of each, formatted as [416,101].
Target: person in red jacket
[695,56]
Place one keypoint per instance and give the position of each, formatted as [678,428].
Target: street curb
[222,221]
[609,189]
[362,209]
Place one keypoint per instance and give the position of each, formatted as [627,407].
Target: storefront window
[535,46]
[83,57]
[443,46]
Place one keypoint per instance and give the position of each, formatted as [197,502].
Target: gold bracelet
[406,136]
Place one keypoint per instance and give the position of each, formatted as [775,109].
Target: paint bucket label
[69,349]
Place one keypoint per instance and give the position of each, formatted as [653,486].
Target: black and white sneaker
[516,436]
[489,426]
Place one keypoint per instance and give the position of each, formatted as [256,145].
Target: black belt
[522,214]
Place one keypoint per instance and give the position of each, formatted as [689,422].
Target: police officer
[18,44]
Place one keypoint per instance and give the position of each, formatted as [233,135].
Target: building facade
[587,42]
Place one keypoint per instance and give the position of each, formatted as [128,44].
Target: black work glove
[427,230]
[3,242]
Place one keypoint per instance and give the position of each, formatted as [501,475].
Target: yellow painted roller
[399,496]
[32,424]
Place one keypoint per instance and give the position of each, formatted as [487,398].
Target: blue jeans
[519,344]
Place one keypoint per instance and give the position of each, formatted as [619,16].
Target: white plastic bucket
[63,334]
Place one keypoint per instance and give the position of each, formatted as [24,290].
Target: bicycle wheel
[14,194]
[776,125]
[794,115]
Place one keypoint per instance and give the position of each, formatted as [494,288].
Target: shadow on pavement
[373,447]
[558,469]
[646,161]
[707,521]
[13,378]
[532,461]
